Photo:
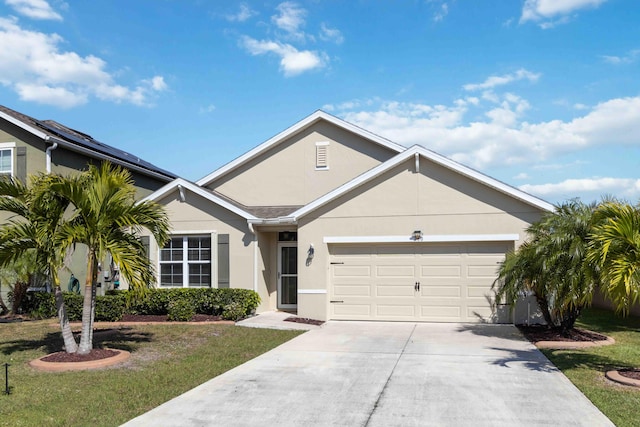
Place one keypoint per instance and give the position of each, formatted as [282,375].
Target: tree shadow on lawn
[122,339]
[576,359]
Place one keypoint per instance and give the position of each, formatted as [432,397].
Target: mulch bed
[542,333]
[305,320]
[95,354]
[630,373]
[163,318]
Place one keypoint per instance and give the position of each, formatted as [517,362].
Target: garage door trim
[434,238]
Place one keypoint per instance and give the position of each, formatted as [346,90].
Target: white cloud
[330,34]
[629,58]
[441,13]
[290,18]
[245,13]
[521,176]
[32,64]
[549,13]
[494,81]
[292,60]
[34,9]
[208,109]
[591,187]
[503,138]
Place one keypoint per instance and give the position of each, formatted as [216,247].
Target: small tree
[107,219]
[553,265]
[615,247]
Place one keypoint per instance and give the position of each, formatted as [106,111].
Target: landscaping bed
[542,333]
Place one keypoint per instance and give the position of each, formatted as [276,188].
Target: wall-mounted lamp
[417,235]
[310,253]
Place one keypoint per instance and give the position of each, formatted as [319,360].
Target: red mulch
[304,320]
[163,318]
[630,373]
[95,354]
[542,333]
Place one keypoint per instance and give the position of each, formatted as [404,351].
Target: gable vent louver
[322,155]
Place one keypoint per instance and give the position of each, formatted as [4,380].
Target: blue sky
[541,94]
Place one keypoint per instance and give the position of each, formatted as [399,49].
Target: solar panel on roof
[100,147]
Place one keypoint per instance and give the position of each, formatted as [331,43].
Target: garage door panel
[440,291]
[394,290]
[352,290]
[438,271]
[395,310]
[455,281]
[399,271]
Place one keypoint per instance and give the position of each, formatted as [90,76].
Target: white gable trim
[179,184]
[436,158]
[287,133]
[435,238]
[23,125]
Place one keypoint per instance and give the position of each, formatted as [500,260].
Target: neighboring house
[29,146]
[333,222]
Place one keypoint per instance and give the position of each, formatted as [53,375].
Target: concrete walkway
[388,374]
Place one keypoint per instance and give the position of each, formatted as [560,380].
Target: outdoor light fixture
[417,235]
[311,251]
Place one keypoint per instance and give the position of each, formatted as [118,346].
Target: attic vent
[322,155]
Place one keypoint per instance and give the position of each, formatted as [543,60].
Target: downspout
[48,153]
[255,256]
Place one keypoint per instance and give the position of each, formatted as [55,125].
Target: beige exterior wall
[197,215]
[286,174]
[436,201]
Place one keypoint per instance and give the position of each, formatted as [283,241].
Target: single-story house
[331,221]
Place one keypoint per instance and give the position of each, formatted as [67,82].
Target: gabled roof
[181,184]
[54,132]
[291,131]
[419,151]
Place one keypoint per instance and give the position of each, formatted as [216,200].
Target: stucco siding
[435,201]
[287,175]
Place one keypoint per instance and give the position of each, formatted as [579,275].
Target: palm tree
[615,247]
[554,265]
[107,219]
[32,230]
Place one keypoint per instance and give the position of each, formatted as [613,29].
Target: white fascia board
[485,179]
[312,291]
[436,158]
[435,238]
[176,183]
[287,133]
[284,220]
[23,125]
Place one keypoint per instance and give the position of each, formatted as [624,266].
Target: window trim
[11,146]
[213,262]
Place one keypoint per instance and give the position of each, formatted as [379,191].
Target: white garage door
[437,282]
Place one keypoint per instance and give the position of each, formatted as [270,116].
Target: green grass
[586,367]
[166,360]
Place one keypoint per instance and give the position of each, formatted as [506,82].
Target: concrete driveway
[388,374]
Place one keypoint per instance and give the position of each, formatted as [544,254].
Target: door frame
[282,245]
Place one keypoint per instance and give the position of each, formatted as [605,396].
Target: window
[6,159]
[322,155]
[185,261]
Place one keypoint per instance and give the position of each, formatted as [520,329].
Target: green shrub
[178,304]
[180,310]
[110,308]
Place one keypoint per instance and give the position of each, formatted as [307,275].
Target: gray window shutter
[145,243]
[223,260]
[21,164]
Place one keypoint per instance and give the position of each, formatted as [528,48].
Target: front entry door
[287,275]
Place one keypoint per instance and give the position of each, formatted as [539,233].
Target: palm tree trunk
[70,345]
[86,337]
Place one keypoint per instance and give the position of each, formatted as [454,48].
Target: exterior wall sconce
[310,252]
[417,235]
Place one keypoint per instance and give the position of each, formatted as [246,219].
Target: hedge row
[176,304]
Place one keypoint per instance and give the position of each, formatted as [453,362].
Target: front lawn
[166,360]
[586,367]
